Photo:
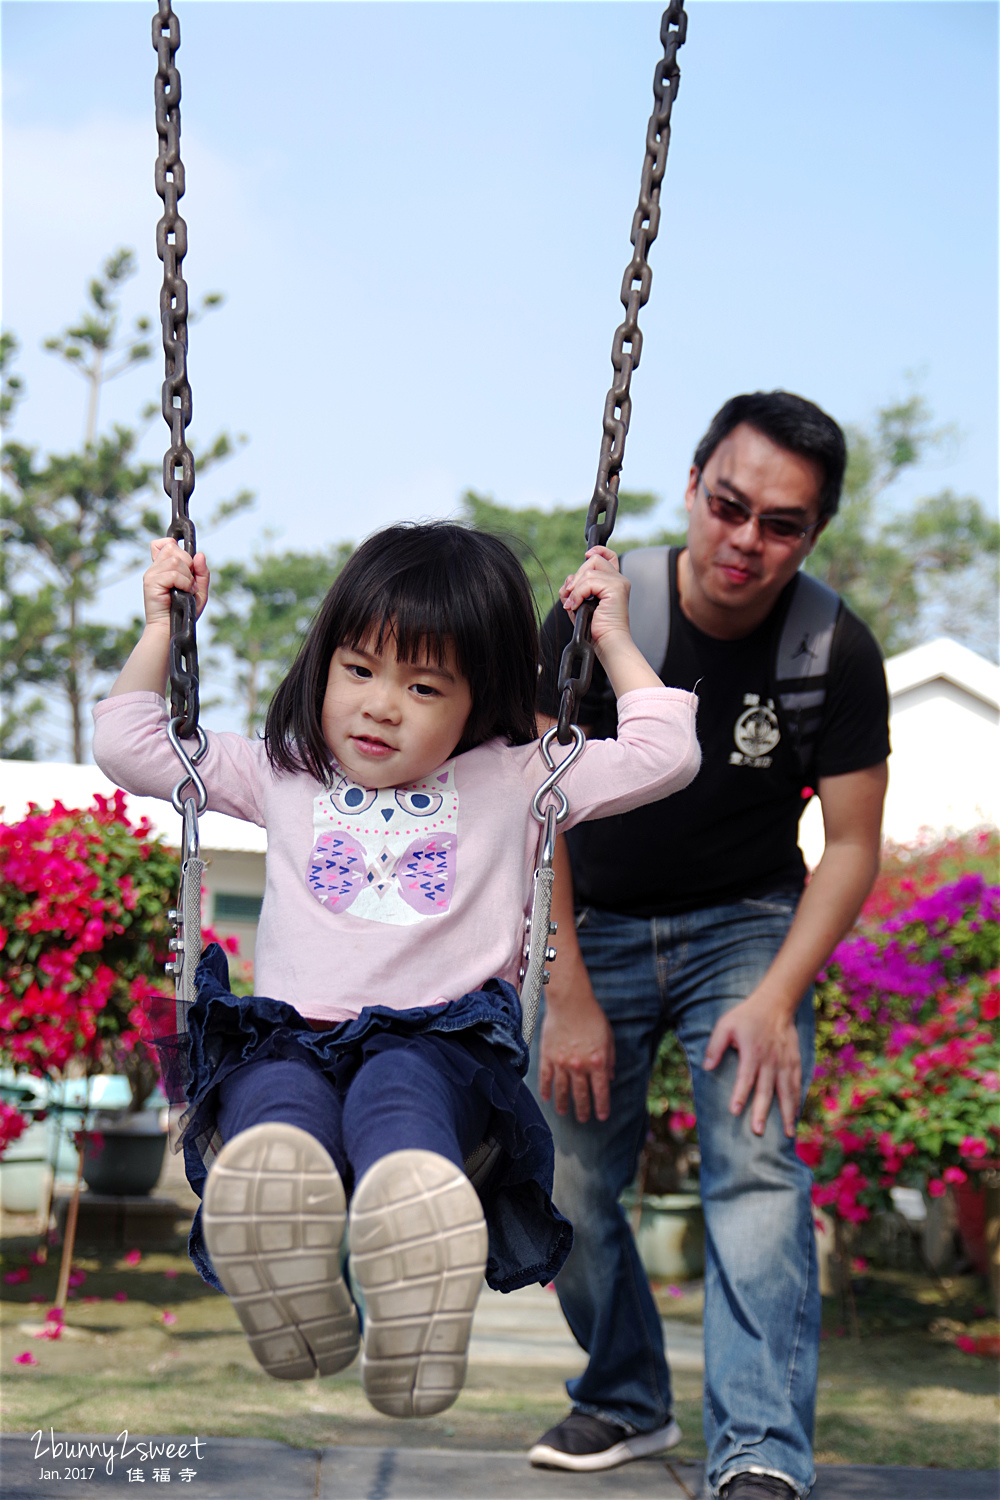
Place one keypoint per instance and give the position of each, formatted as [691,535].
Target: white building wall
[944,770]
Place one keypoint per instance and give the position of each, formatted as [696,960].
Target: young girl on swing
[394,779]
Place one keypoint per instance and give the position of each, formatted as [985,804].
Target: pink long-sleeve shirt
[408,896]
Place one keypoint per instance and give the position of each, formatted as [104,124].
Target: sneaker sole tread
[418,1251]
[274,1214]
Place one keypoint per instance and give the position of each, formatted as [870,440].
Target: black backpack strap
[802,663]
[648,571]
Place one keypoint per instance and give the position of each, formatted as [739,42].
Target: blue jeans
[762,1304]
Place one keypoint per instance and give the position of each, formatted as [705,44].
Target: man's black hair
[792,423]
[415,587]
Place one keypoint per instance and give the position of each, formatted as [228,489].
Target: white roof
[944,658]
[46,781]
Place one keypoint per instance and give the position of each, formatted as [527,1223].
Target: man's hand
[576,1048]
[762,1027]
[767,1042]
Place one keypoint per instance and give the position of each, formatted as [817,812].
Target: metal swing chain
[178,482]
[577,664]
[178,462]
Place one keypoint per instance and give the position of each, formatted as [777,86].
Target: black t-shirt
[733,833]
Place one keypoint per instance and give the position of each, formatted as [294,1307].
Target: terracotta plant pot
[970,1208]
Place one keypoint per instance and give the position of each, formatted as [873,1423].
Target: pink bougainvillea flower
[38,1257]
[133,1257]
[974,1146]
[936,1188]
[27,1358]
[955,1174]
[121,1296]
[859,1264]
[14,1278]
[169,1319]
[965,1343]
[171,1272]
[77,1277]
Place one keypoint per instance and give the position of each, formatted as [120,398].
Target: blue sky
[420,212]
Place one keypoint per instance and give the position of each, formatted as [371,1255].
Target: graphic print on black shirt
[733,833]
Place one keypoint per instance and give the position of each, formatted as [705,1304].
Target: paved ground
[528,1329]
[253,1469]
[522,1331]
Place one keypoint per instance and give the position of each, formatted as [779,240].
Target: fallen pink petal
[121,1296]
[90,1299]
[169,1318]
[77,1277]
[674,1291]
[14,1278]
[133,1257]
[171,1272]
[27,1358]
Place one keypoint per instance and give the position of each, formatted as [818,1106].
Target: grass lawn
[903,1395]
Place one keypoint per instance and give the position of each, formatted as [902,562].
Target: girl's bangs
[419,614]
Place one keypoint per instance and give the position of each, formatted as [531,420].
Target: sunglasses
[735,513]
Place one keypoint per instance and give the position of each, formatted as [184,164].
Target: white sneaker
[274,1214]
[418,1251]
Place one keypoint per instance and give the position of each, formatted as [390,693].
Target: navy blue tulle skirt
[528,1238]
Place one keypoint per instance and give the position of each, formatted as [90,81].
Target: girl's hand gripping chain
[624,663]
[171,568]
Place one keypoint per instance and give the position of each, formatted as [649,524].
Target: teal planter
[670,1236]
[124,1153]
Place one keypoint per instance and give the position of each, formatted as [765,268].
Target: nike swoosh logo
[313,1198]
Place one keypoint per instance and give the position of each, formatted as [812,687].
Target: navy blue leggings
[413,1092]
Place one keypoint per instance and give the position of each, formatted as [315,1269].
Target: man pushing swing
[693,915]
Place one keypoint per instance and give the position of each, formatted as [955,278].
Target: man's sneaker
[274,1215]
[418,1252]
[584,1443]
[756,1487]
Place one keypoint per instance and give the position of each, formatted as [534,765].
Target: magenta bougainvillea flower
[84,895]
[908,1053]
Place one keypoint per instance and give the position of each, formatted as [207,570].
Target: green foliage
[70,522]
[895,569]
[261,613]
[550,543]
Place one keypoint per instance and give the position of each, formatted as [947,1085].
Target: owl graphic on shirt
[386,855]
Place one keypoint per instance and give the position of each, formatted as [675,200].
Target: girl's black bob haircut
[419,586]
